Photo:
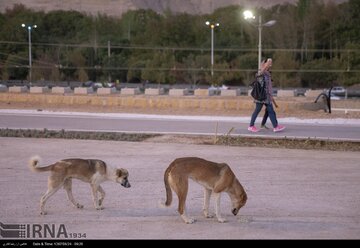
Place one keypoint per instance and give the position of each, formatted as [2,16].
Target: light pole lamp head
[269,23]
[28,27]
[212,25]
[248,15]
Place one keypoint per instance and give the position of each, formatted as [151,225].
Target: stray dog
[215,177]
[92,171]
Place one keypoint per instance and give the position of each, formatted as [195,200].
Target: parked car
[300,91]
[338,90]
[334,97]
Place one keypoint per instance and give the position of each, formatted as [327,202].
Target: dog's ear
[118,172]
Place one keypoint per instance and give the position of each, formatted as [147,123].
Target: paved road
[321,129]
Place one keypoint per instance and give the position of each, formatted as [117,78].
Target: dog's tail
[167,187]
[34,162]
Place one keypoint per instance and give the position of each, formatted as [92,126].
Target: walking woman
[268,102]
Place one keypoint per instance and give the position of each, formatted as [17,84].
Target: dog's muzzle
[235,211]
[126,184]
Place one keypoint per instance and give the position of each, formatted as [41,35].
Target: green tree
[350,59]
[14,66]
[158,68]
[116,66]
[308,13]
[63,26]
[288,66]
[348,28]
[248,64]
[171,48]
[319,73]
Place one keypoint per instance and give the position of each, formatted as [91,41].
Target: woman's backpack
[258,91]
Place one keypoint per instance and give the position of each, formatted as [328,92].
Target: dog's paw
[208,215]
[43,213]
[222,220]
[78,205]
[100,208]
[187,220]
[190,221]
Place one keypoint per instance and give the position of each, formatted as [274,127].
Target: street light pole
[249,15]
[259,55]
[212,26]
[29,27]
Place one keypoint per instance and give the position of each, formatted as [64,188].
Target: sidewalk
[238,119]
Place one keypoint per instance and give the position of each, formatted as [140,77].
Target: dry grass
[225,140]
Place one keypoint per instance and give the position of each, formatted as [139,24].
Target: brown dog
[92,171]
[215,177]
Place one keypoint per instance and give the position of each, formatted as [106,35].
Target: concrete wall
[313,93]
[60,90]
[39,90]
[178,92]
[233,92]
[130,91]
[83,90]
[154,92]
[18,89]
[3,88]
[285,93]
[105,91]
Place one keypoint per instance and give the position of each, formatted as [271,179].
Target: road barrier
[145,101]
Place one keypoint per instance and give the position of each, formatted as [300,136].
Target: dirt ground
[292,194]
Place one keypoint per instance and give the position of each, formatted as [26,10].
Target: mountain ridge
[118,7]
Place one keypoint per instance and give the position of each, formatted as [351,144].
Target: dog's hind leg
[102,195]
[54,184]
[181,189]
[217,208]
[68,188]
[207,194]
[95,189]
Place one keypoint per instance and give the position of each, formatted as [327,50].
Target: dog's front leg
[186,218]
[217,208]
[95,188]
[207,194]
[102,195]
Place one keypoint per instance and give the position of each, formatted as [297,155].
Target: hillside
[118,7]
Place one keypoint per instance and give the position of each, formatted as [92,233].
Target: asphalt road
[173,124]
[292,194]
